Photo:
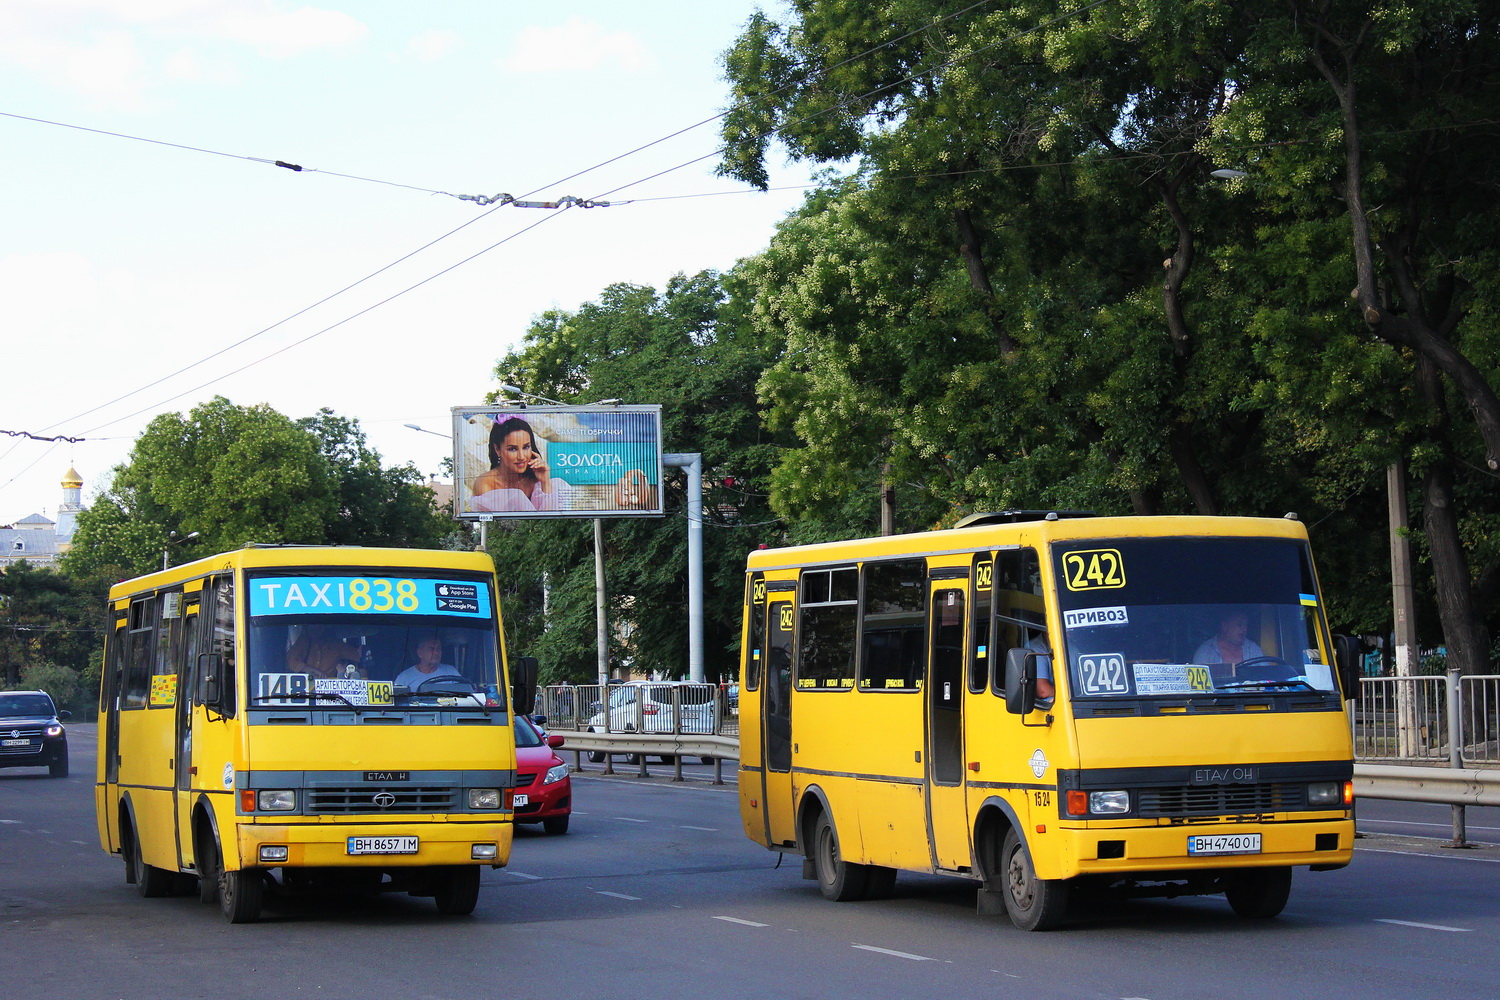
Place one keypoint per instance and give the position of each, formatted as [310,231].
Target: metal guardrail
[1447,718]
[1416,739]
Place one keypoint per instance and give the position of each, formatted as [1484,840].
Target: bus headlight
[1109,803]
[484,798]
[556,772]
[276,800]
[1325,793]
[273,853]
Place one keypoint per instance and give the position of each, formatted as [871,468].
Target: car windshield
[357,642]
[18,705]
[526,734]
[1191,616]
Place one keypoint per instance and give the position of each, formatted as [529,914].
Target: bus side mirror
[211,681]
[1346,657]
[1020,681]
[523,671]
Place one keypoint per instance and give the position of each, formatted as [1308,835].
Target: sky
[147,228]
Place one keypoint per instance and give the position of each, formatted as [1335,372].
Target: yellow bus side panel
[844,736]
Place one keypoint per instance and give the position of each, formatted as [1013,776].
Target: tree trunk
[971,245]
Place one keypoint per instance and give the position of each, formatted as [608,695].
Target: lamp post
[174,539]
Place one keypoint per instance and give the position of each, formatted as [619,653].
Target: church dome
[71,480]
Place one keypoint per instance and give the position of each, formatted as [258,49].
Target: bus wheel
[1034,904]
[880,882]
[1259,893]
[240,894]
[149,880]
[838,880]
[457,889]
[207,850]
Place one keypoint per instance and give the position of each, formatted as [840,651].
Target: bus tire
[1258,893]
[207,851]
[880,882]
[456,889]
[150,881]
[1034,904]
[240,895]
[838,880]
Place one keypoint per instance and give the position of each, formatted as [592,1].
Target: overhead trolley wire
[496,201]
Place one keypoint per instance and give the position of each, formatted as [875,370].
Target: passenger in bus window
[1045,689]
[1230,644]
[429,663]
[321,652]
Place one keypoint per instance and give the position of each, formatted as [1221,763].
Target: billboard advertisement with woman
[556,461]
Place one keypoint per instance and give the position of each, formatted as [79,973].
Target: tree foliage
[51,632]
[237,474]
[1030,291]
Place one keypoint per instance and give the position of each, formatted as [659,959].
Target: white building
[39,540]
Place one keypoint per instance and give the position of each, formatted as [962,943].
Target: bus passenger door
[776,719]
[187,674]
[947,809]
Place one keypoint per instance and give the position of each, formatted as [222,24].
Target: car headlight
[55,729]
[484,798]
[1325,793]
[556,772]
[276,800]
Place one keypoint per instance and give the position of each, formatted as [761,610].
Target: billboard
[556,461]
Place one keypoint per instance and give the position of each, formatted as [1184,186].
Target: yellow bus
[286,717]
[1043,700]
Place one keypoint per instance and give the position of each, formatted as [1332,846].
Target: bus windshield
[1190,616]
[366,641]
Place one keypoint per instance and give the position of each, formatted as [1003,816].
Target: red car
[544,792]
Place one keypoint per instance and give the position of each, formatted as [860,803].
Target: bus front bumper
[377,845]
[1128,850]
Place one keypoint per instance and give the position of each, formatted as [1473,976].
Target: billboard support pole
[693,463]
[600,614]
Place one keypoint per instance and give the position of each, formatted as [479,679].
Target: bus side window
[138,665]
[981,649]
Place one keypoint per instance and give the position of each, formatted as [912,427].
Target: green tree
[52,621]
[691,349]
[238,474]
[1032,293]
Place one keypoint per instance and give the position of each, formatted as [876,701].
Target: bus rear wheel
[149,880]
[1258,893]
[1034,904]
[838,880]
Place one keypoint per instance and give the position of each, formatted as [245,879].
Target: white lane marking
[1425,927]
[705,829]
[618,895]
[744,923]
[1455,855]
[9,821]
[627,819]
[521,874]
[894,954]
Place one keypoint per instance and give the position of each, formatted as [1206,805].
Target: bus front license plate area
[1232,843]
[381,845]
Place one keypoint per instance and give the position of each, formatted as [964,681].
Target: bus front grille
[364,799]
[1221,800]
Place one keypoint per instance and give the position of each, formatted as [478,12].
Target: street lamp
[174,539]
[507,387]
[425,430]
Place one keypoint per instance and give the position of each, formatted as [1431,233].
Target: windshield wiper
[1279,682]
